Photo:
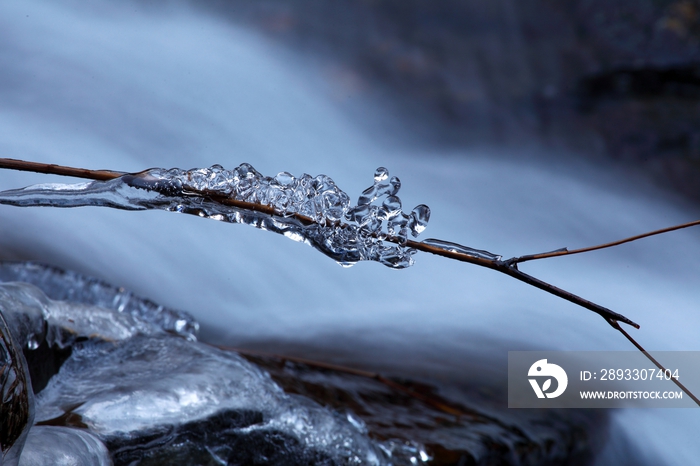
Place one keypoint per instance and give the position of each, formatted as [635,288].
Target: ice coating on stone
[62,285]
[25,310]
[34,318]
[308,209]
[454,247]
[62,446]
[152,384]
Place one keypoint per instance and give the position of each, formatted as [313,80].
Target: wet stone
[482,434]
[220,439]
[17,407]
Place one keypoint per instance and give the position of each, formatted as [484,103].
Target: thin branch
[566,252]
[652,359]
[511,270]
[51,169]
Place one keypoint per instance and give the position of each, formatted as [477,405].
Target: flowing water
[127,88]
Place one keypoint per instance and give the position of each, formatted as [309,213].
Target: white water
[126,89]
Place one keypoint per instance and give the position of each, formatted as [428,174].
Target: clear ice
[307,209]
[35,319]
[455,247]
[150,384]
[65,285]
[64,446]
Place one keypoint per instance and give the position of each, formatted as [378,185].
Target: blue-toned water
[126,88]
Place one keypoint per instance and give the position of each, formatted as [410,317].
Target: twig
[508,267]
[51,169]
[511,270]
[566,252]
[652,359]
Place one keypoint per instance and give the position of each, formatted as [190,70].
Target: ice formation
[63,446]
[308,209]
[455,247]
[34,319]
[156,386]
[64,285]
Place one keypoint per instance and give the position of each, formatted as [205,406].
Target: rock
[17,407]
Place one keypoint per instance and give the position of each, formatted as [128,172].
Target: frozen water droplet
[380,174]
[395,186]
[219,181]
[194,179]
[346,264]
[334,204]
[419,219]
[246,171]
[322,183]
[285,179]
[392,206]
[357,214]
[368,195]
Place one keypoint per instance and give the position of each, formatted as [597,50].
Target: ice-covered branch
[308,209]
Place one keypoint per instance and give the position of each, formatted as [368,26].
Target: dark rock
[192,442]
[44,362]
[17,407]
[578,74]
[488,435]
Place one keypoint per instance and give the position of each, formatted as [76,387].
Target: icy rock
[62,446]
[62,285]
[165,391]
[313,210]
[34,318]
[17,407]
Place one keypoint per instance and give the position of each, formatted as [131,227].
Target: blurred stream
[126,87]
